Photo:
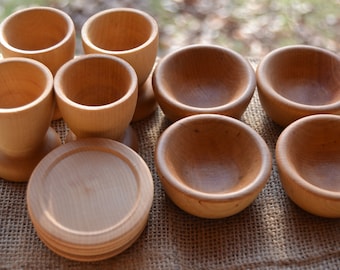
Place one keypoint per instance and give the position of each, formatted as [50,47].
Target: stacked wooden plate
[90,199]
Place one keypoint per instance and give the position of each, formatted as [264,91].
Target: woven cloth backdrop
[272,233]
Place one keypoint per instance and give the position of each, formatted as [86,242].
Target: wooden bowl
[203,79]
[90,199]
[212,166]
[97,95]
[297,81]
[308,159]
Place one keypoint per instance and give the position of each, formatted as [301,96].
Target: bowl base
[130,138]
[19,169]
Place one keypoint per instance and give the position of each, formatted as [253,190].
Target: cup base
[56,114]
[19,169]
[146,102]
[130,138]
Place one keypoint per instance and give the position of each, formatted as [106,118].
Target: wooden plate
[90,198]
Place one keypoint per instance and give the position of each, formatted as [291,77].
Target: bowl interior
[21,83]
[119,30]
[35,29]
[306,76]
[313,150]
[203,77]
[95,81]
[212,156]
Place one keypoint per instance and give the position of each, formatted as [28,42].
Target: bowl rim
[68,36]
[259,181]
[245,95]
[282,155]
[265,87]
[153,36]
[60,94]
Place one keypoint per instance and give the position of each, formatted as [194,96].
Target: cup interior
[119,30]
[212,156]
[313,150]
[95,81]
[304,75]
[21,83]
[203,77]
[35,29]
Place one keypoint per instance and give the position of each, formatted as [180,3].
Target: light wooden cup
[296,81]
[97,95]
[26,107]
[132,35]
[42,33]
[212,166]
[200,79]
[308,159]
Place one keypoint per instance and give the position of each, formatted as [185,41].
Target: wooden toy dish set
[89,197]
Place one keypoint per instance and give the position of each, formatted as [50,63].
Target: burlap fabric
[272,233]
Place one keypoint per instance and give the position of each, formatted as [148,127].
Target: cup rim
[85,38]
[48,88]
[64,15]
[63,69]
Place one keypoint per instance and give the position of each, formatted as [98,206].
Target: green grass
[9,6]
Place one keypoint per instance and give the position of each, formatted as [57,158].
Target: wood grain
[203,79]
[296,81]
[26,107]
[212,166]
[128,33]
[308,158]
[45,34]
[90,199]
[97,95]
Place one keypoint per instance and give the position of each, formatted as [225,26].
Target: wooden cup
[132,35]
[42,33]
[26,107]
[97,95]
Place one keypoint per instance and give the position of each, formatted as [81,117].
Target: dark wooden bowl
[203,79]
[212,166]
[308,158]
[297,81]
